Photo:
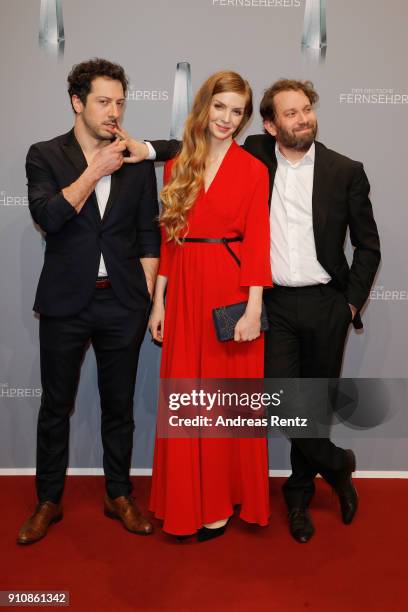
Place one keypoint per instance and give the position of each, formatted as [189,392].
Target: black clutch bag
[226,318]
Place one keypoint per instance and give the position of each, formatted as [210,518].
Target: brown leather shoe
[36,526]
[125,509]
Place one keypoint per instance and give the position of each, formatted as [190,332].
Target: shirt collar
[307,159]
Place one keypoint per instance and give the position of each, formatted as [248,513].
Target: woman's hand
[248,327]
[156,321]
[138,150]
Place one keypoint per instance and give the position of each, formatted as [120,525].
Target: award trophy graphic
[182,99]
[51,37]
[314,39]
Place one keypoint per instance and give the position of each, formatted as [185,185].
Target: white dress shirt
[152,153]
[102,191]
[293,251]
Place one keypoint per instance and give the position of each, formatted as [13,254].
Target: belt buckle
[102,283]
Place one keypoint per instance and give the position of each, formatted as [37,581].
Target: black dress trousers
[116,334]
[308,328]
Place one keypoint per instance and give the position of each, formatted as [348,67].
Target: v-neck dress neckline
[206,192]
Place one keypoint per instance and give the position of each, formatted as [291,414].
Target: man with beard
[101,259]
[315,195]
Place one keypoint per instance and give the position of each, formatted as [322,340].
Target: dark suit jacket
[74,242]
[340,201]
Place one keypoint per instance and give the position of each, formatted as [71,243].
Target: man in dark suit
[315,195]
[102,247]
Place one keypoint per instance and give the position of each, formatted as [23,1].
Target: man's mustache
[304,127]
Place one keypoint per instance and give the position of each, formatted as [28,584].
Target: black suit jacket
[340,201]
[74,242]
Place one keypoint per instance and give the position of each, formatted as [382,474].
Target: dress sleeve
[166,247]
[255,252]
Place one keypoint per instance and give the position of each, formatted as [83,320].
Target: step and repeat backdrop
[355,53]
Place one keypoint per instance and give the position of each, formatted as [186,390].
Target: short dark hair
[267,108]
[81,76]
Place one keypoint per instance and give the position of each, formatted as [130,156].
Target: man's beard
[96,131]
[293,139]
[101,136]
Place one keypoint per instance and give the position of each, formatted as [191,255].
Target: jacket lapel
[321,195]
[116,180]
[272,173]
[74,153]
[268,156]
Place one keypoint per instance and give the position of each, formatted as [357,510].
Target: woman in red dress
[213,189]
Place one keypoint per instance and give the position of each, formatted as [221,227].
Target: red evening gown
[198,481]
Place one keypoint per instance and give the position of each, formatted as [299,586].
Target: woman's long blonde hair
[187,176]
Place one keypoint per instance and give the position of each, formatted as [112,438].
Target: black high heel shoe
[204,533]
[181,538]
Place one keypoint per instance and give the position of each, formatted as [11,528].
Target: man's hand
[150,266]
[108,159]
[353,311]
[138,150]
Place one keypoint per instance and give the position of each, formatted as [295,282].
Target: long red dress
[198,481]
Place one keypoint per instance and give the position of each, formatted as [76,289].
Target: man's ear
[270,127]
[77,104]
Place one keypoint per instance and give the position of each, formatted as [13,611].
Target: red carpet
[343,568]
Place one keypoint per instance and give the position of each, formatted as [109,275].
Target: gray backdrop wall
[362,113]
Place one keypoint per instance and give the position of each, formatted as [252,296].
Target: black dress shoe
[300,525]
[346,491]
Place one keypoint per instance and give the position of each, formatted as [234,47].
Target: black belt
[304,288]
[102,282]
[224,241]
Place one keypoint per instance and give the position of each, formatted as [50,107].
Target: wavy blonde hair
[187,175]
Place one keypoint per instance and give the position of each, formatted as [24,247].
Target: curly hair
[81,76]
[267,108]
[187,176]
